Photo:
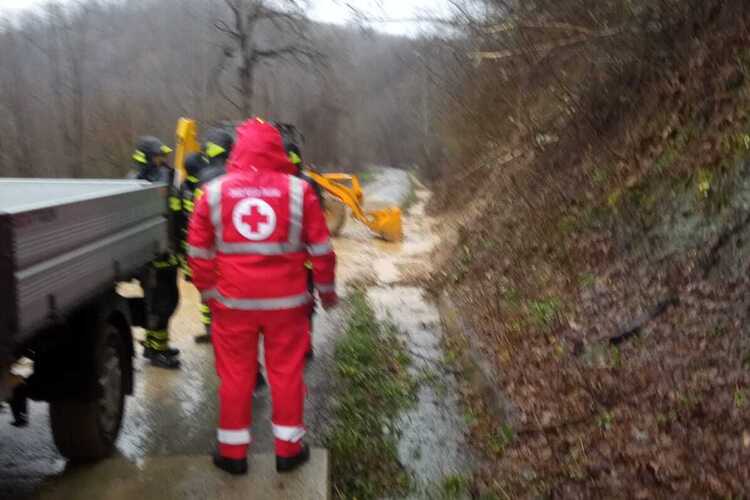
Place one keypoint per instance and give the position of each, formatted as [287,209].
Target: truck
[64,246]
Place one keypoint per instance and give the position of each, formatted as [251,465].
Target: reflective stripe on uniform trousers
[175,204]
[171,261]
[237,437]
[289,434]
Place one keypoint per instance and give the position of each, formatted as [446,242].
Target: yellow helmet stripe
[213,150]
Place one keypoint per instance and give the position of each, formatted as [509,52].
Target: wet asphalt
[174,413]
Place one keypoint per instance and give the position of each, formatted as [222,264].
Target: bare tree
[261,33]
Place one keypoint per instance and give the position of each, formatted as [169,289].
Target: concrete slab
[190,478]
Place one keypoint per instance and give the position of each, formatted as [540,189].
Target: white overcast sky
[336,11]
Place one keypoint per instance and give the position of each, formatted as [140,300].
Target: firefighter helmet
[217,142]
[149,146]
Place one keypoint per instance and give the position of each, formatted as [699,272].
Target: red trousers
[286,339]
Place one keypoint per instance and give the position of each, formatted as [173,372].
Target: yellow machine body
[186,144]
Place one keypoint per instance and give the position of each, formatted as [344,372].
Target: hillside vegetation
[600,184]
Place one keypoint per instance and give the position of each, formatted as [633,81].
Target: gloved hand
[329,300]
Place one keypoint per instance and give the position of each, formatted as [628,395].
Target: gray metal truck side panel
[57,216]
[64,241]
[60,284]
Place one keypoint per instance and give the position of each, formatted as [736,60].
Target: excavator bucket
[346,189]
[387,223]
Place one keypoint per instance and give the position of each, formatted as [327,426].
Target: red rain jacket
[254,228]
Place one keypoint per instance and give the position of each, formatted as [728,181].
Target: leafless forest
[80,80]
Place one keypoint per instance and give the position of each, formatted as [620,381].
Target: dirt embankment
[606,285]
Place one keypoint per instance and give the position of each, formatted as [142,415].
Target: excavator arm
[386,223]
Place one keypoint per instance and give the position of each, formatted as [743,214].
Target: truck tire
[87,430]
[335,213]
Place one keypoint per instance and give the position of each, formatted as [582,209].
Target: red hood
[259,146]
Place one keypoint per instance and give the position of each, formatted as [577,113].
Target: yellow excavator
[341,191]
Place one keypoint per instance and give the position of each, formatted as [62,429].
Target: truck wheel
[335,213]
[87,430]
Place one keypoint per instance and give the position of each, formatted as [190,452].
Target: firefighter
[217,146]
[249,239]
[161,294]
[194,163]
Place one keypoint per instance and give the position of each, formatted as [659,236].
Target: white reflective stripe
[320,250]
[258,248]
[325,288]
[207,295]
[226,436]
[214,204]
[296,202]
[278,304]
[200,253]
[288,434]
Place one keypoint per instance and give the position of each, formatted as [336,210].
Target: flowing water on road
[433,439]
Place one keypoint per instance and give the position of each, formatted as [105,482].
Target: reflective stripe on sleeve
[296,203]
[200,253]
[325,288]
[288,434]
[320,250]
[207,295]
[230,437]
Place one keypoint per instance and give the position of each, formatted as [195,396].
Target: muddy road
[174,413]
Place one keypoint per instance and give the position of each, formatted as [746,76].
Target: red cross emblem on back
[254,219]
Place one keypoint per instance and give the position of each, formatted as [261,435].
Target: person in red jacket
[248,241]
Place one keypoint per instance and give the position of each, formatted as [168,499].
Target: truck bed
[64,241]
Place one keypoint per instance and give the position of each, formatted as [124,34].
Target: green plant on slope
[373,386]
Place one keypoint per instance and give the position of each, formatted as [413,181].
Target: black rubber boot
[162,359]
[236,467]
[19,406]
[149,353]
[284,464]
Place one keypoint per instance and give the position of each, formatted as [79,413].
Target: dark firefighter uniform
[161,293]
[216,148]
[194,163]
[291,137]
